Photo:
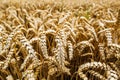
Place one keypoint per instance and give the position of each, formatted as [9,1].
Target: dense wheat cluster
[53,41]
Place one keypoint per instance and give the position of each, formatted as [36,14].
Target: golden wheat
[57,41]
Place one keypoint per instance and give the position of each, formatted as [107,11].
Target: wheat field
[59,40]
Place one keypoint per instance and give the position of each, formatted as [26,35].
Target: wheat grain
[96,74]
[10,37]
[112,75]
[9,56]
[60,55]
[43,45]
[83,76]
[93,65]
[70,50]
[114,67]
[101,50]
